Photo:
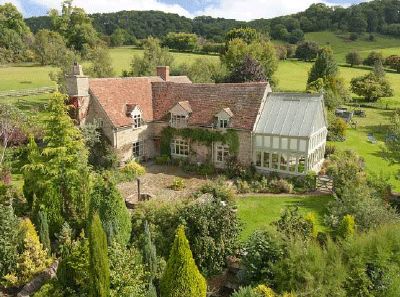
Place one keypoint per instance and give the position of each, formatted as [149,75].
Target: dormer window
[180,114]
[178,121]
[223,123]
[224,118]
[134,112]
[137,121]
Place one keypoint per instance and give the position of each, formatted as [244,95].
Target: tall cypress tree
[181,276]
[107,201]
[43,230]
[8,234]
[149,252]
[98,259]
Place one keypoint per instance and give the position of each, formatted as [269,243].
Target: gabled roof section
[207,100]
[292,114]
[182,107]
[226,112]
[116,94]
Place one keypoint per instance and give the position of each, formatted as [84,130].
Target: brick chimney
[163,72]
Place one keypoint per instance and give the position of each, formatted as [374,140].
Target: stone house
[134,112]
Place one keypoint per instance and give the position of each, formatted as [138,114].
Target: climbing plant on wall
[203,136]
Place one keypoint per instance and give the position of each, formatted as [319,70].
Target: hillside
[379,16]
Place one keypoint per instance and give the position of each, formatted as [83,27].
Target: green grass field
[259,212]
[25,77]
[341,45]
[122,58]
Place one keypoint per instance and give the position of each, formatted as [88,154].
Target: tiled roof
[114,94]
[207,100]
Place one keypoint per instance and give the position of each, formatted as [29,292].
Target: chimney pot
[163,72]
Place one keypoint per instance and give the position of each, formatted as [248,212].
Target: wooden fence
[27,92]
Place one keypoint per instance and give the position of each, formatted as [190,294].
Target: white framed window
[137,149]
[180,147]
[223,123]
[284,143]
[259,140]
[275,142]
[222,153]
[302,146]
[293,144]
[137,120]
[267,141]
[178,121]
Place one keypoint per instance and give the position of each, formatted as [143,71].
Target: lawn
[25,77]
[341,45]
[376,123]
[292,76]
[259,212]
[122,58]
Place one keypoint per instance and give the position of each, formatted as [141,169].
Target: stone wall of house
[245,155]
[97,114]
[125,137]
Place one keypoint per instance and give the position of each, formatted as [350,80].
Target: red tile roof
[114,94]
[207,100]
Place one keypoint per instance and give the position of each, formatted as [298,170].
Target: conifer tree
[43,228]
[181,276]
[325,66]
[324,78]
[149,253]
[107,201]
[98,259]
[8,234]
[58,174]
[33,258]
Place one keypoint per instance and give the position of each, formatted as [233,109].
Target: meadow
[258,212]
[341,45]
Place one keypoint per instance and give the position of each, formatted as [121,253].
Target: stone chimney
[78,92]
[77,82]
[163,72]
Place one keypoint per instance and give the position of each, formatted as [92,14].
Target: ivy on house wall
[203,136]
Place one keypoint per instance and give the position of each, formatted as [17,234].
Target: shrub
[219,189]
[372,58]
[163,160]
[330,149]
[260,186]
[181,276]
[178,184]
[243,186]
[261,251]
[245,292]
[292,225]
[33,258]
[353,58]
[278,186]
[132,170]
[346,227]
[127,276]
[264,291]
